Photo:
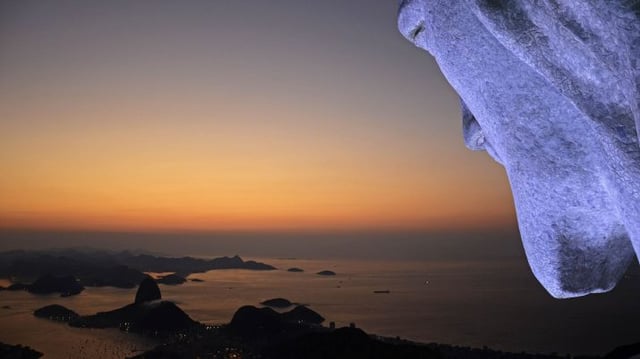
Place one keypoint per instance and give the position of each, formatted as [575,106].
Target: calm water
[467,303]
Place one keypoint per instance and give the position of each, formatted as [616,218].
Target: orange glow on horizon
[94,178]
[161,222]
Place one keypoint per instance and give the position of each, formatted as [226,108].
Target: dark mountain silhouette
[18,352]
[18,286]
[155,317]
[624,352]
[120,276]
[147,315]
[345,343]
[264,333]
[277,303]
[65,285]
[116,269]
[171,279]
[147,291]
[302,314]
[251,322]
[188,265]
[326,272]
[56,312]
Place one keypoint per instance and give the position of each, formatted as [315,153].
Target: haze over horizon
[231,116]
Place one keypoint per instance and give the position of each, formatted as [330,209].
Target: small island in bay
[277,303]
[57,313]
[381,291]
[326,273]
[171,279]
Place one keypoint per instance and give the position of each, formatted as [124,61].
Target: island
[277,303]
[326,273]
[171,279]
[57,313]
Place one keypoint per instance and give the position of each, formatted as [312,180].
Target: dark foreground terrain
[18,352]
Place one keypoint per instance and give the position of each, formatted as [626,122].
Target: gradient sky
[225,115]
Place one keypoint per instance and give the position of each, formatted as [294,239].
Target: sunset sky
[231,115]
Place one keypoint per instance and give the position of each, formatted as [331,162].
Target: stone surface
[550,90]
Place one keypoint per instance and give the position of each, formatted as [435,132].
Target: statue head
[550,91]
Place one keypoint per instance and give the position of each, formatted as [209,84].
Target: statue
[551,90]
